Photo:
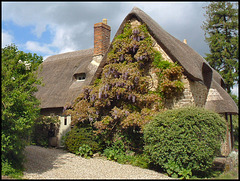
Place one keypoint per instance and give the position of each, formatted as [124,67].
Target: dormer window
[80,76]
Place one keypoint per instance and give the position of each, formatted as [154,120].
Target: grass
[11,171]
[16,175]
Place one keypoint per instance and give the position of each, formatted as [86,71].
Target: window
[65,120]
[80,76]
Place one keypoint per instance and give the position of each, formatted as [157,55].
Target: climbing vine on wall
[120,101]
[169,78]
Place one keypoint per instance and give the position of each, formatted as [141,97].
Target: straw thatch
[195,66]
[58,76]
[61,88]
[224,104]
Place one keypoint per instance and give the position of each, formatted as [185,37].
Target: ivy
[169,78]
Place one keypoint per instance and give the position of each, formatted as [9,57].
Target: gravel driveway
[52,163]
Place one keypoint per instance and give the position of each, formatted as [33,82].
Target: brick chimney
[101,37]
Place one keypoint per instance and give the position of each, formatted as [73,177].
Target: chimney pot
[185,41]
[104,21]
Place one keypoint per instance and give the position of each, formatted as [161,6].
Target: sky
[50,28]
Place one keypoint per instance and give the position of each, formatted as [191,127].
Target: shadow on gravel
[40,159]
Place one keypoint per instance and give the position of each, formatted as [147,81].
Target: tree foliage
[19,105]
[221,34]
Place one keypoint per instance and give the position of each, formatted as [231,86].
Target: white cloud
[7,39]
[36,47]
[70,39]
[71,23]
[39,29]
[64,40]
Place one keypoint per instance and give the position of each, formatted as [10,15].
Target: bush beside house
[80,136]
[184,141]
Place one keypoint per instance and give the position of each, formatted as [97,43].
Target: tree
[221,33]
[19,105]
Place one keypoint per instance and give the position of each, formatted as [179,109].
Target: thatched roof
[195,66]
[58,76]
[222,104]
[61,87]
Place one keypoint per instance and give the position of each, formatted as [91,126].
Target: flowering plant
[120,101]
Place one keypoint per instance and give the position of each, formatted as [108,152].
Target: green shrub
[127,157]
[85,151]
[121,154]
[78,137]
[112,154]
[7,168]
[235,122]
[141,160]
[116,151]
[10,170]
[184,141]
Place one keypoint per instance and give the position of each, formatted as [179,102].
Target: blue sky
[49,28]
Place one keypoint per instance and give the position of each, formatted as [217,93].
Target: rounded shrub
[184,141]
[78,137]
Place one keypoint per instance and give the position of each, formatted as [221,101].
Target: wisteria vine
[120,100]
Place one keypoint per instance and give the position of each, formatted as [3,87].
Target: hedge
[184,141]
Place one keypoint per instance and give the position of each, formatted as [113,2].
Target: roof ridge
[135,8]
[69,54]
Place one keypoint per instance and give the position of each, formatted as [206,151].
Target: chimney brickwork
[101,42]
[101,37]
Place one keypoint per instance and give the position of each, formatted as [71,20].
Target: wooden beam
[231,133]
[228,137]
[226,116]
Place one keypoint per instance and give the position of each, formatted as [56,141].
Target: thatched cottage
[65,75]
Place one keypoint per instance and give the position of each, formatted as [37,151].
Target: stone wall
[195,93]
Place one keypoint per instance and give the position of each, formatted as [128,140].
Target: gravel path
[52,163]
